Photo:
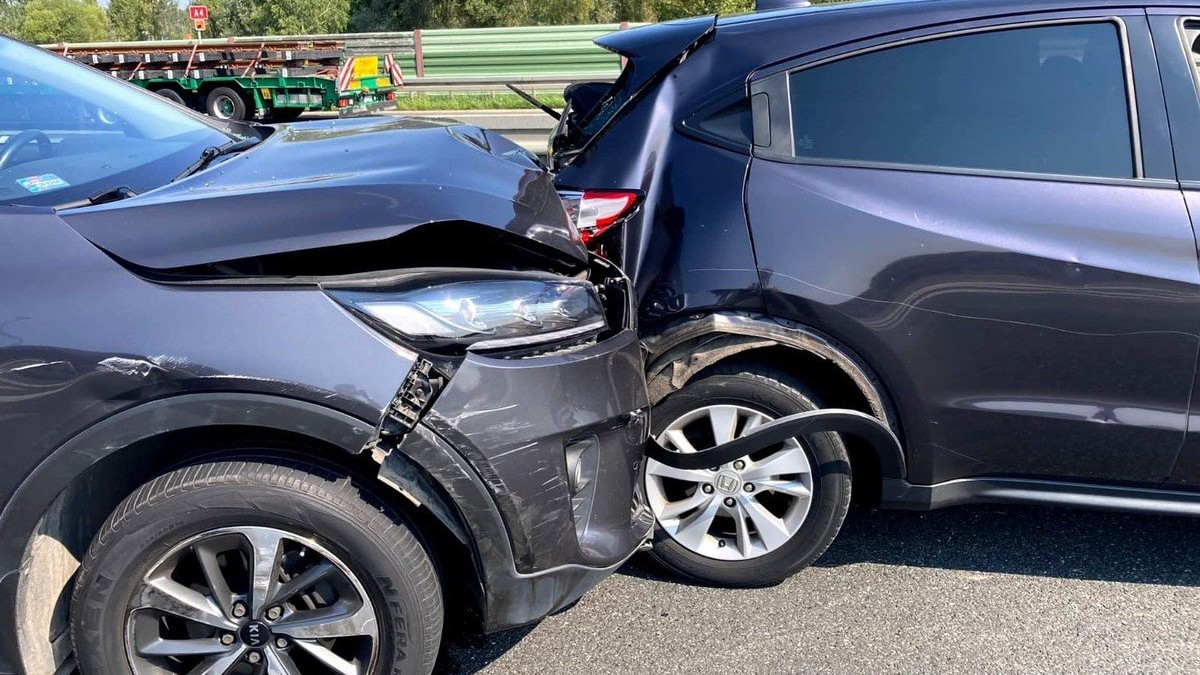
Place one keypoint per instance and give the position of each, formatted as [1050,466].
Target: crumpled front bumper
[541,457]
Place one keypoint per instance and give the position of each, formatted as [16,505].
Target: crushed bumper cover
[540,457]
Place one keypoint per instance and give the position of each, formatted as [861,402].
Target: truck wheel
[253,566]
[172,96]
[224,103]
[760,519]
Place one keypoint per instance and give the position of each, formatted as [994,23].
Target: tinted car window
[1048,99]
[68,131]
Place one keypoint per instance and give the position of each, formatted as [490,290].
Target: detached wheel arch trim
[682,351]
[840,420]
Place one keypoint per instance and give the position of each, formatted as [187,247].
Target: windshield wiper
[532,100]
[102,197]
[213,152]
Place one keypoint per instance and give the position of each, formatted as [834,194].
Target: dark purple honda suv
[973,220]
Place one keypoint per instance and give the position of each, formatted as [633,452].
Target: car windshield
[68,132]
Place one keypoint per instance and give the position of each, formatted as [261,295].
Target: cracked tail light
[595,211]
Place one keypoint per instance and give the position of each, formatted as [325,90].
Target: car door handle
[850,422]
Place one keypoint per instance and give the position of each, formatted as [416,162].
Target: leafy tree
[277,17]
[633,10]
[63,21]
[373,15]
[226,18]
[297,17]
[12,12]
[145,19]
[675,9]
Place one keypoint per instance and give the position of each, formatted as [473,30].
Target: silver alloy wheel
[736,511]
[224,107]
[250,600]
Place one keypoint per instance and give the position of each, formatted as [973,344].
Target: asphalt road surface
[976,589]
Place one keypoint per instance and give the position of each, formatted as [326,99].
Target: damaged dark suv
[974,220]
[272,398]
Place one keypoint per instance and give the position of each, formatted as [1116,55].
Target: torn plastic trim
[853,422]
[684,349]
[412,400]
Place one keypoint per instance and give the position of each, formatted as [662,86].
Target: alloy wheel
[224,108]
[737,511]
[247,601]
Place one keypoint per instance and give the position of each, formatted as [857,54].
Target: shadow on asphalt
[1033,541]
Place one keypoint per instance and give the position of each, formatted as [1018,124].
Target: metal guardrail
[496,83]
[542,50]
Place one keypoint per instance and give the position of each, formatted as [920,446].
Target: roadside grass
[472,101]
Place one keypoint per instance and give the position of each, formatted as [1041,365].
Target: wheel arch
[208,85]
[684,350]
[53,515]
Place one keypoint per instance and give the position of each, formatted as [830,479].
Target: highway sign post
[199,16]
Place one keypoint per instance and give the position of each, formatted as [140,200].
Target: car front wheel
[255,567]
[757,520]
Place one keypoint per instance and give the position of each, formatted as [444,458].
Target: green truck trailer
[273,80]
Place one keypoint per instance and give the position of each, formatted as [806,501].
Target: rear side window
[1046,99]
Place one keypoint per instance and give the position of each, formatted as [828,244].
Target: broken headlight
[488,313]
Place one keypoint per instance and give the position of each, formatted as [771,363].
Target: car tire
[721,556]
[225,104]
[371,572]
[172,96]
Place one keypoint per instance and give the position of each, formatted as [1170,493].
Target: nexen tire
[377,546]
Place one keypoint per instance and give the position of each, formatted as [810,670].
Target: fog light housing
[583,467]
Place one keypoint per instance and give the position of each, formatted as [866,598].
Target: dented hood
[328,183]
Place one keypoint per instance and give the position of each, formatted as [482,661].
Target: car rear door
[988,214]
[1176,33]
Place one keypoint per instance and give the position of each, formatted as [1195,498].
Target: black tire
[225,104]
[286,114]
[172,96]
[378,545]
[777,395]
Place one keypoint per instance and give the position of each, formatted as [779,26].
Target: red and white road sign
[198,12]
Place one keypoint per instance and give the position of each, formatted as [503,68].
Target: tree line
[45,21]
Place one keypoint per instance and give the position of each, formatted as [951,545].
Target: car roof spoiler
[772,5]
[654,50]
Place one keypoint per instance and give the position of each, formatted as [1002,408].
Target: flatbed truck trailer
[273,80]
